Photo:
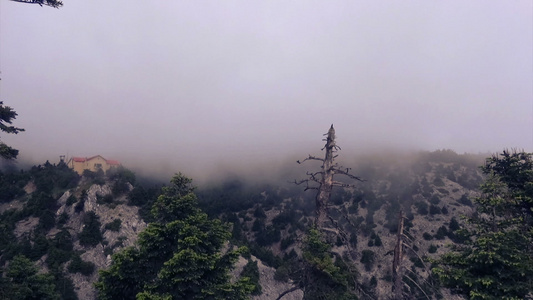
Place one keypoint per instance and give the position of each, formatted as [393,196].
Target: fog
[245,87]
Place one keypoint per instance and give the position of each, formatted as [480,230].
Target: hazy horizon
[209,87]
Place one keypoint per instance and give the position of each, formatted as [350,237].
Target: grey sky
[185,85]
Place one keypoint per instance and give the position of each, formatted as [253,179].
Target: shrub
[368,258]
[422,208]
[114,226]
[282,274]
[258,225]
[81,203]
[432,248]
[442,232]
[251,271]
[374,240]
[77,265]
[90,235]
[434,210]
[465,200]
[62,219]
[454,225]
[56,257]
[417,262]
[373,282]
[259,212]
[434,199]
[286,242]
[268,237]
[71,200]
[107,199]
[47,220]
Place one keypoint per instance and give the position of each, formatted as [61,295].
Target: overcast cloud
[194,86]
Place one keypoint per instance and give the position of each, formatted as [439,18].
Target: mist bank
[280,171]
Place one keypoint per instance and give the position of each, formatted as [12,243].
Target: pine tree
[22,281]
[497,262]
[7,115]
[179,256]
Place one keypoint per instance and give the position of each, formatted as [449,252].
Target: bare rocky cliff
[131,225]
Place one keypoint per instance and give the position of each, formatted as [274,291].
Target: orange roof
[79,159]
[84,159]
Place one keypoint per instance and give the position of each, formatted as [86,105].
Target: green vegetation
[21,281]
[114,226]
[368,257]
[325,276]
[77,265]
[180,255]
[7,115]
[498,262]
[183,242]
[122,180]
[251,271]
[90,234]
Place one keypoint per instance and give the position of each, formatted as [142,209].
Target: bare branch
[310,157]
[417,285]
[346,173]
[307,186]
[341,184]
[51,3]
[419,257]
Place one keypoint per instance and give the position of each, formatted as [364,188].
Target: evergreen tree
[7,115]
[179,256]
[51,3]
[326,276]
[498,261]
[22,282]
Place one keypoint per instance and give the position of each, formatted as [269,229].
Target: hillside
[69,226]
[433,189]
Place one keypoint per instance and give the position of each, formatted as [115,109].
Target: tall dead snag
[399,270]
[323,180]
[397,266]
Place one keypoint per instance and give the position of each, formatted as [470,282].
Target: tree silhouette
[7,115]
[323,180]
[497,261]
[178,256]
[51,3]
[325,274]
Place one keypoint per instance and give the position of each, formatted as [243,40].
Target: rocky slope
[432,190]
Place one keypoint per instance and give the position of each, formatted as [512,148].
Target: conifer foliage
[497,262]
[7,115]
[179,256]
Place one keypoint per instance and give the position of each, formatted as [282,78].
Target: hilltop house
[95,163]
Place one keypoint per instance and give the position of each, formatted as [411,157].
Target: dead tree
[398,265]
[323,181]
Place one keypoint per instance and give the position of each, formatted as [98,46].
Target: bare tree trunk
[324,178]
[397,267]
[326,183]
